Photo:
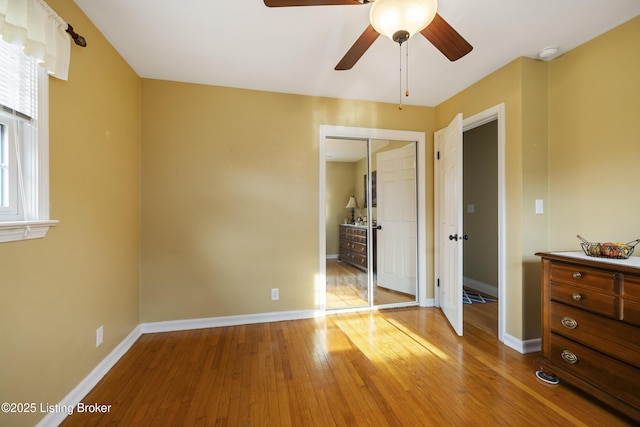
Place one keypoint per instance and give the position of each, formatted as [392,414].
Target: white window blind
[18,82]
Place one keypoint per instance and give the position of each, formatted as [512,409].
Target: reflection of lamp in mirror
[353,205]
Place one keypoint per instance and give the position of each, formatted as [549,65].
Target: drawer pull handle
[576,297]
[569,357]
[577,275]
[569,323]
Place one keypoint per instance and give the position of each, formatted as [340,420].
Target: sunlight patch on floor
[378,338]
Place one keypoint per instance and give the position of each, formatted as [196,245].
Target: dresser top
[632,263]
[354,226]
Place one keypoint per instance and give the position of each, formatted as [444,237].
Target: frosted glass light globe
[388,17]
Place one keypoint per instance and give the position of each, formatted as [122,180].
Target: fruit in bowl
[614,250]
[609,249]
[594,249]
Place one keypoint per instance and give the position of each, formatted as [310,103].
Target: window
[24,168]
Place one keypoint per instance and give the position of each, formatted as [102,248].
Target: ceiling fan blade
[358,49]
[288,3]
[446,39]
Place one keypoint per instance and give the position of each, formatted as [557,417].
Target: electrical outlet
[275,294]
[99,335]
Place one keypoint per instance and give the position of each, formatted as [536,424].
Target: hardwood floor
[402,367]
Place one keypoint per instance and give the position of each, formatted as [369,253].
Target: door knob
[465,237]
[379,227]
[453,237]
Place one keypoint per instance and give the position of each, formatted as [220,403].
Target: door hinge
[438,157]
[438,283]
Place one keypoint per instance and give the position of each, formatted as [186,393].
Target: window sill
[12,231]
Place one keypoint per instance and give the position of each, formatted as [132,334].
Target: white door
[397,219]
[449,144]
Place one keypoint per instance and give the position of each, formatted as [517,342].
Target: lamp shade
[353,203]
[390,16]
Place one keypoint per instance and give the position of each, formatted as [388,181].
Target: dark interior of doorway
[480,221]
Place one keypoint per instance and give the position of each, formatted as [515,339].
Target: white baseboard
[90,381]
[523,347]
[532,346]
[481,287]
[429,302]
[215,322]
[333,256]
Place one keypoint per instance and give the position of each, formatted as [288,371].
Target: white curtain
[33,25]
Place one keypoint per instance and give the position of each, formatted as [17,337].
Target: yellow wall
[55,292]
[594,144]
[340,185]
[230,195]
[535,185]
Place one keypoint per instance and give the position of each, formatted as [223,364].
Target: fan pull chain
[407,67]
[400,79]
[406,93]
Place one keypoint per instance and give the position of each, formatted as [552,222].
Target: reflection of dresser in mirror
[353,246]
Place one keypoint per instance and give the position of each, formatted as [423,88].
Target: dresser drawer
[605,335]
[586,299]
[355,237]
[361,232]
[602,371]
[354,246]
[631,313]
[631,286]
[359,248]
[578,275]
[631,299]
[357,259]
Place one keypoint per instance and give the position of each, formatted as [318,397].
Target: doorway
[480,219]
[450,235]
[371,227]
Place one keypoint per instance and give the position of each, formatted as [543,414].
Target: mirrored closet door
[371,223]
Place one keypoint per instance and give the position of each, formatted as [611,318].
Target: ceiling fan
[398,25]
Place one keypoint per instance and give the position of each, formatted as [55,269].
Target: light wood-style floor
[402,367]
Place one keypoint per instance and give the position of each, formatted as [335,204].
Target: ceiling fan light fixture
[401,19]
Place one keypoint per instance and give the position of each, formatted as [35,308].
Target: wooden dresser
[353,245]
[591,326]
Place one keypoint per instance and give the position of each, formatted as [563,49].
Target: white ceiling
[244,44]
[345,150]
